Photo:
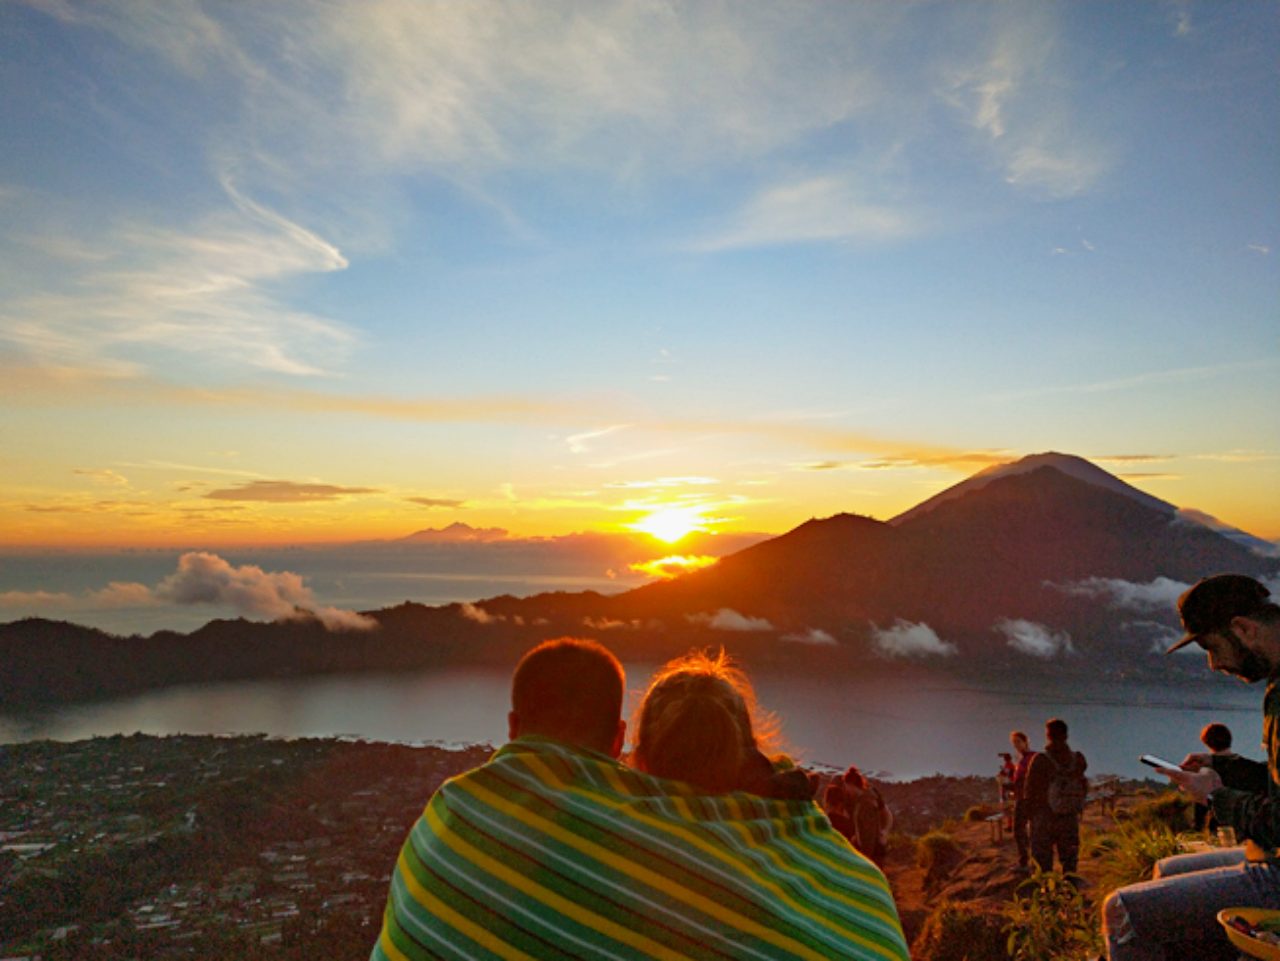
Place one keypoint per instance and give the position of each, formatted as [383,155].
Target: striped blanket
[548,851]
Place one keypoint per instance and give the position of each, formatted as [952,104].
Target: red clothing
[1020,773]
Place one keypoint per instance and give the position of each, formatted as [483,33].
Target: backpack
[864,813]
[1067,787]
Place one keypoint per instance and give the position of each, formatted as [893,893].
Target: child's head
[696,723]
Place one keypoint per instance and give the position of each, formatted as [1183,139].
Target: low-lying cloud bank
[814,635]
[907,639]
[206,578]
[1159,594]
[727,619]
[1028,637]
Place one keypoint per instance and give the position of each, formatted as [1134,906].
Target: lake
[903,727]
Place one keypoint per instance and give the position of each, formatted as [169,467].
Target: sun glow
[673,565]
[671,523]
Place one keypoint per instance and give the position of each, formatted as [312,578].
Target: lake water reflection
[903,726]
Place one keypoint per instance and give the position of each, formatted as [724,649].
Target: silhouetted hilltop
[1036,563]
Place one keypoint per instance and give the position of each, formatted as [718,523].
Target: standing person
[1055,793]
[1235,771]
[1021,815]
[869,815]
[1173,916]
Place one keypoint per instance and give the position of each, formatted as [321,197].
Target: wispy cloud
[817,209]
[103,476]
[1160,594]
[154,293]
[1177,375]
[436,502]
[286,492]
[1013,94]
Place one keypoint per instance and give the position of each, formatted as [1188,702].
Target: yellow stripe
[389,947]
[716,851]
[640,873]
[453,918]
[543,895]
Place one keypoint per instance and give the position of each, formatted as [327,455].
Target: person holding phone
[1233,619]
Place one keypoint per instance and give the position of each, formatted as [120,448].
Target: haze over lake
[904,727]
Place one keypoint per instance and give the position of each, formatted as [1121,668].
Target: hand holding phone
[1159,763]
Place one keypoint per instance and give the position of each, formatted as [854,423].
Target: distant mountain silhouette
[456,533]
[1050,541]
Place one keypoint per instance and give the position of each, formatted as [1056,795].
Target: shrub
[938,854]
[1129,852]
[960,932]
[1171,810]
[1049,918]
[979,812]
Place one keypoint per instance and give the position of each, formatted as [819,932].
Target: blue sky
[552,267]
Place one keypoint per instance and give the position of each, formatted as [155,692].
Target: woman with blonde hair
[699,723]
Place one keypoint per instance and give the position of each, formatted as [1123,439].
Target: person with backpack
[867,815]
[1055,792]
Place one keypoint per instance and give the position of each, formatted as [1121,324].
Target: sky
[309,272]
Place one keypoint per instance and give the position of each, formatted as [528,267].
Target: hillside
[1049,547]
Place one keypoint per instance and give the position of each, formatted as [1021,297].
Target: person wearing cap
[1233,618]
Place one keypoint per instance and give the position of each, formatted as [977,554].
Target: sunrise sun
[671,523]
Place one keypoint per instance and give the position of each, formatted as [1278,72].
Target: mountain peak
[455,533]
[1068,464]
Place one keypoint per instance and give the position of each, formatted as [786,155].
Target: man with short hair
[1173,916]
[555,850]
[1054,796]
[1236,771]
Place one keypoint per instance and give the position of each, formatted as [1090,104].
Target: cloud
[1015,96]
[580,443]
[727,619]
[906,639]
[814,635]
[610,624]
[157,292]
[204,578]
[1259,249]
[1036,640]
[1162,593]
[819,209]
[36,600]
[474,612]
[286,492]
[1130,458]
[673,565]
[104,476]
[436,502]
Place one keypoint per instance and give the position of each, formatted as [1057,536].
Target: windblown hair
[698,723]
[570,689]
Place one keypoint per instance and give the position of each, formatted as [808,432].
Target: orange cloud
[673,565]
[286,492]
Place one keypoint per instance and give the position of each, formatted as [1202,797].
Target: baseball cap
[1212,602]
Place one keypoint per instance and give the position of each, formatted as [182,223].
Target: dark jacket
[1256,814]
[1040,773]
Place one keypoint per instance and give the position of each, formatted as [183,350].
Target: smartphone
[1159,763]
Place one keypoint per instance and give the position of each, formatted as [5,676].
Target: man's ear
[513,725]
[619,738]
